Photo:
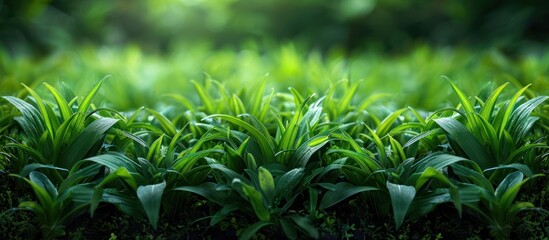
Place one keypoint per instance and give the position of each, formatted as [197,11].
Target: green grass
[382,138]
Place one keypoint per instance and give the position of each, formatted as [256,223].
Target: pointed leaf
[42,180]
[486,111]
[286,183]
[86,140]
[306,225]
[343,191]
[401,199]
[517,166]
[150,197]
[31,120]
[265,143]
[62,104]
[165,123]
[253,229]
[506,117]
[34,166]
[289,228]
[466,141]
[467,106]
[83,108]
[255,198]
[207,190]
[267,185]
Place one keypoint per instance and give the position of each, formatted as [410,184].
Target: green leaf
[236,105]
[41,193]
[154,153]
[42,180]
[62,104]
[383,127]
[343,191]
[515,156]
[508,183]
[150,197]
[398,153]
[431,173]
[33,166]
[267,185]
[208,102]
[228,207]
[518,207]
[519,123]
[229,174]
[31,120]
[86,140]
[114,160]
[306,225]
[207,190]
[75,176]
[49,120]
[255,198]
[83,108]
[486,111]
[426,202]
[473,175]
[504,120]
[31,151]
[257,97]
[401,199]
[517,166]
[98,193]
[380,147]
[185,163]
[320,140]
[303,154]
[265,143]
[437,161]
[290,135]
[467,106]
[289,228]
[253,229]
[165,123]
[286,183]
[466,141]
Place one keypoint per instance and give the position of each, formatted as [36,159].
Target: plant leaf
[86,140]
[466,141]
[306,225]
[150,197]
[343,191]
[267,185]
[253,229]
[255,198]
[401,199]
[286,183]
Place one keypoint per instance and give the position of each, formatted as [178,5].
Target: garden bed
[255,163]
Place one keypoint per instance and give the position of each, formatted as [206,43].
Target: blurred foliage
[42,25]
[137,78]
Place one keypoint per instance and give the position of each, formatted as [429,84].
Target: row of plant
[280,158]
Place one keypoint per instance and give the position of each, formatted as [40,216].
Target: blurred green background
[150,48]
[44,25]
